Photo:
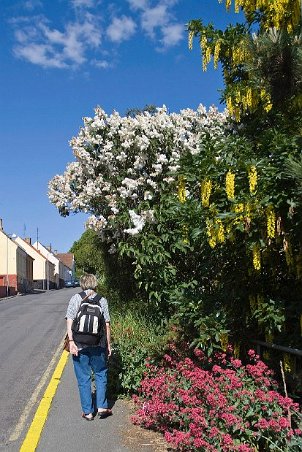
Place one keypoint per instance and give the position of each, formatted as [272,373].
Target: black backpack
[89,325]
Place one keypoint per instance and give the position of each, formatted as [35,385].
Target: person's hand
[109,350]
[73,348]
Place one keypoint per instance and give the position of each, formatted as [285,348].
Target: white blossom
[121,162]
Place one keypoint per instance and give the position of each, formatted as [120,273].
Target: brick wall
[13,285]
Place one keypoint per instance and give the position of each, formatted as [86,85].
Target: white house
[60,268]
[16,266]
[43,268]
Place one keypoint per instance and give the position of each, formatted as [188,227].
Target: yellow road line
[33,435]
[35,395]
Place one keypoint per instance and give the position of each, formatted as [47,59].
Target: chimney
[1,224]
[28,240]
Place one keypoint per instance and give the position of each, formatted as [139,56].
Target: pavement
[66,431]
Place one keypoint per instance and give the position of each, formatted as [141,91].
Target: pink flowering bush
[226,406]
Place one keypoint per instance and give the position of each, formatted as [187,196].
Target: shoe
[87,417]
[104,413]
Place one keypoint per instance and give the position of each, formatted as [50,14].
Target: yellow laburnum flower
[230,185]
[203,42]
[266,355]
[228,4]
[248,213]
[238,96]
[212,239]
[239,208]
[182,189]
[220,231]
[253,178]
[206,58]
[237,114]
[206,189]
[268,106]
[224,341]
[237,349]
[296,13]
[270,222]
[203,47]
[229,104]
[237,55]
[249,97]
[289,363]
[190,39]
[256,257]
[185,234]
[266,99]
[217,52]
[263,94]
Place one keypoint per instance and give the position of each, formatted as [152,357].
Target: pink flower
[199,353]
[244,448]
[168,358]
[236,363]
[227,440]
[214,432]
[214,409]
[284,423]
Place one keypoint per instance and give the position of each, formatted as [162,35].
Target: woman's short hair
[88,282]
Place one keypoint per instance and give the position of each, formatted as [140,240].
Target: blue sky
[61,58]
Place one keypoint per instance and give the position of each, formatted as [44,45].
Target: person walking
[90,353]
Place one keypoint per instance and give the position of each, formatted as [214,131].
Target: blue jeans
[88,359]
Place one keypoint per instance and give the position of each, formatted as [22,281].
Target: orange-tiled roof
[67,259]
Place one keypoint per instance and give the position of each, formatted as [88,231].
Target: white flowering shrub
[123,163]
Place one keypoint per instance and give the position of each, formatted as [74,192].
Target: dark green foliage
[132,112]
[88,254]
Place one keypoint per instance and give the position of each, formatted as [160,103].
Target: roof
[67,259]
[30,246]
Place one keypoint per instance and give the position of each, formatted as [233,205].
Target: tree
[132,112]
[261,59]
[88,254]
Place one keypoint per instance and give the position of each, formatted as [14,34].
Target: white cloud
[158,21]
[50,47]
[79,40]
[121,29]
[82,3]
[102,64]
[138,4]
[40,54]
[172,34]
[154,17]
[32,4]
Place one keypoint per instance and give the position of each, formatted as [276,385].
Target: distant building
[68,261]
[43,268]
[16,266]
[61,270]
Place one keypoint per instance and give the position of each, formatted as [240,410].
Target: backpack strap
[95,299]
[83,296]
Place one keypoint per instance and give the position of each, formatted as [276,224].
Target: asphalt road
[32,327]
